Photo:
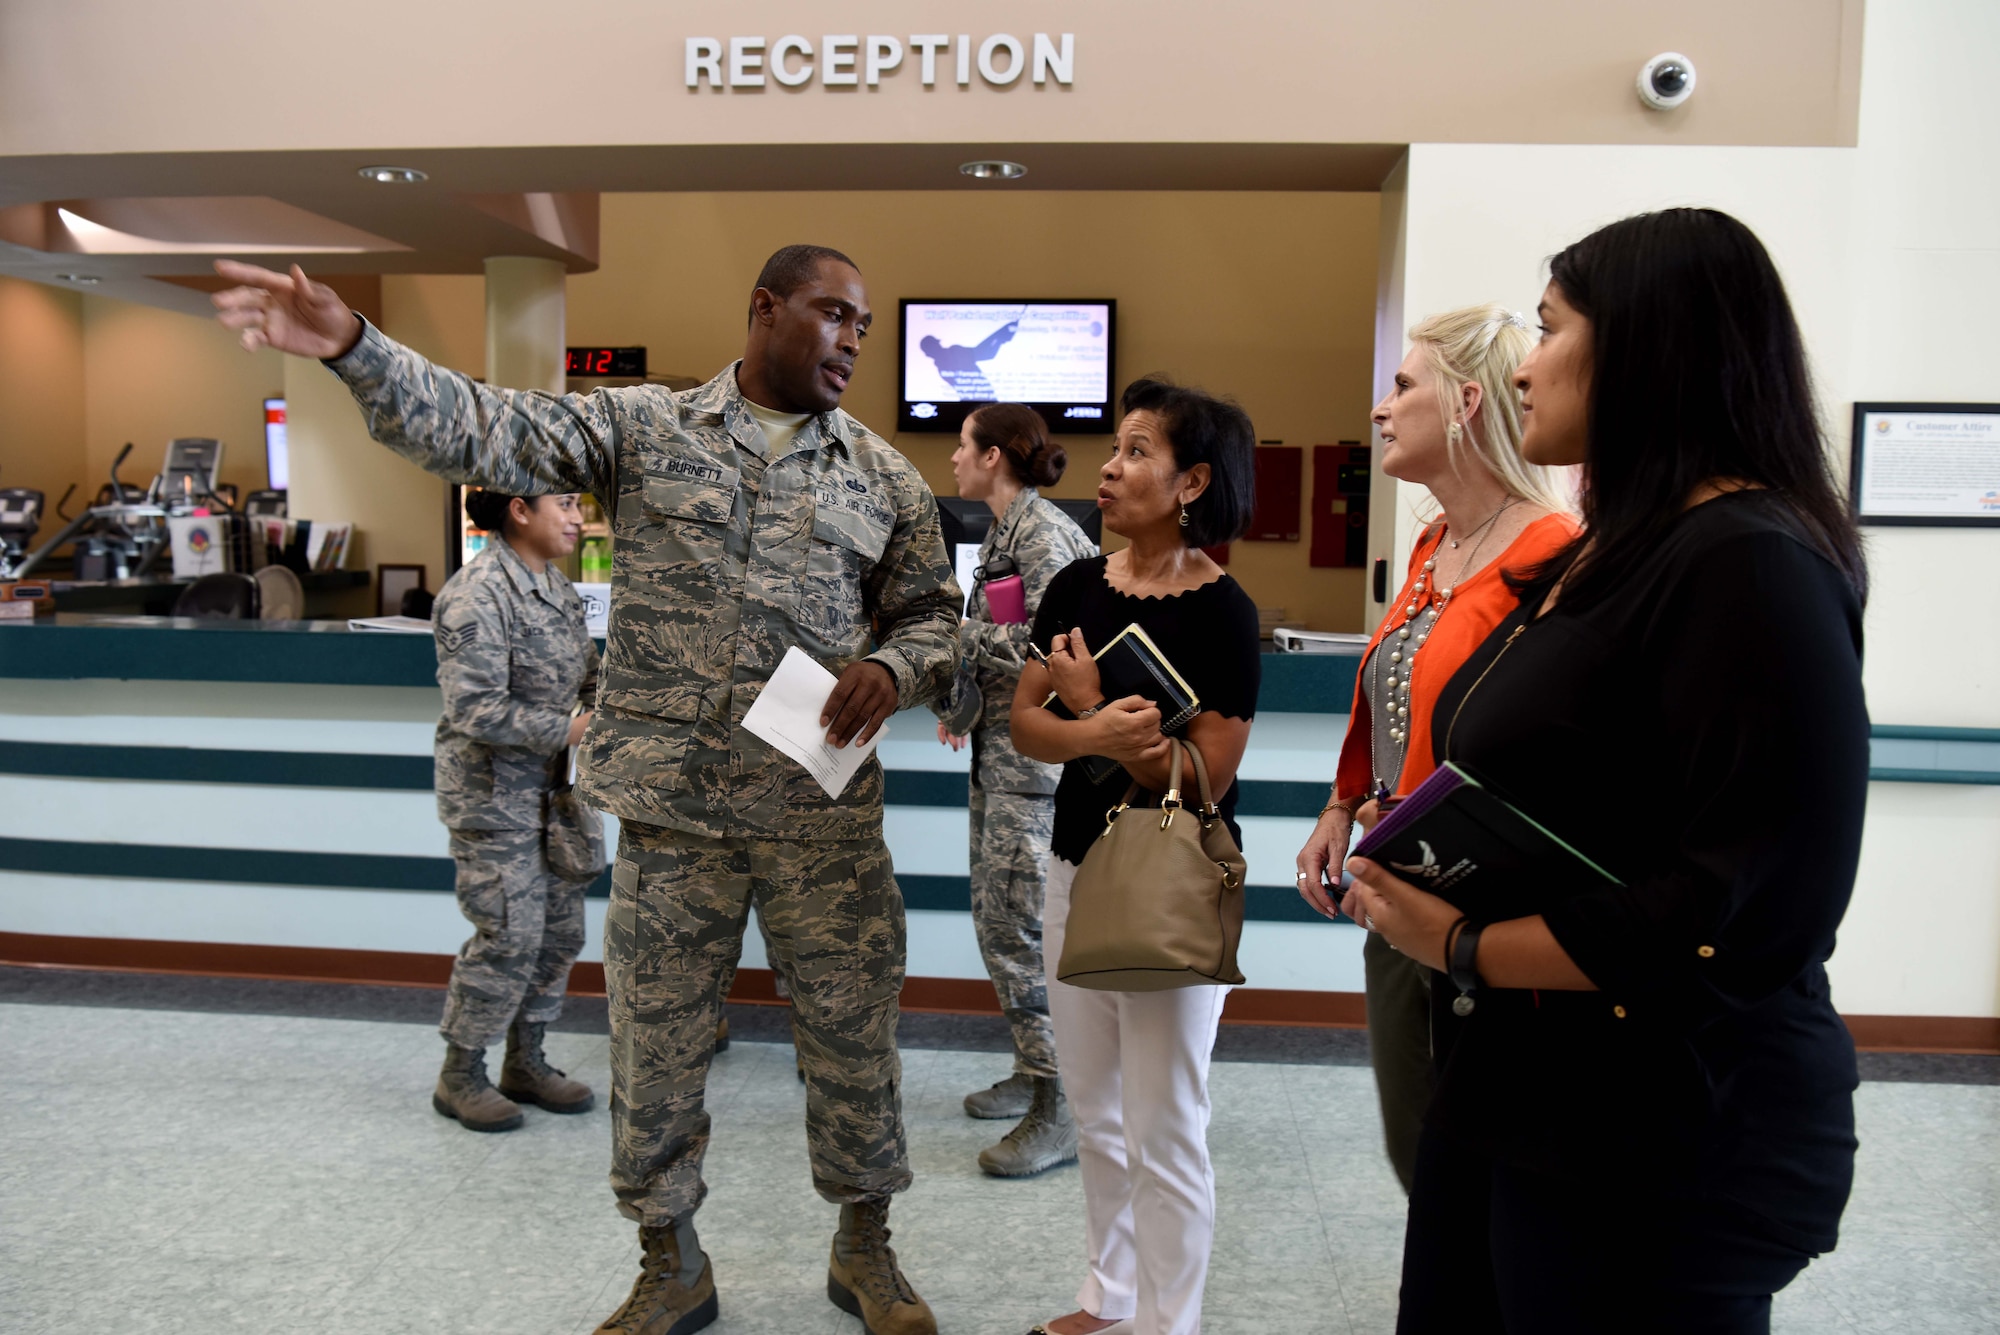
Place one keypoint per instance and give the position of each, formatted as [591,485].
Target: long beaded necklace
[1401,650]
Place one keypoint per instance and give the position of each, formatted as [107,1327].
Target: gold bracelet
[1348,806]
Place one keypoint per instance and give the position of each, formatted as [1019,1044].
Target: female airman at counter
[519,674]
[1004,455]
[1451,422]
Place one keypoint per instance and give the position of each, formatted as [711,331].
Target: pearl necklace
[1402,652]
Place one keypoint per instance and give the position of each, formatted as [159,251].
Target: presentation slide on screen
[991,352]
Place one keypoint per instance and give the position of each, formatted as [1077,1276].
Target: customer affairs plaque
[1927,463]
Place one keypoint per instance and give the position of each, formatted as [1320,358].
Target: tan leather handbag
[1158,901]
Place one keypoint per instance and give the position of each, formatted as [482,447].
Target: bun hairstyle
[1019,433]
[488,509]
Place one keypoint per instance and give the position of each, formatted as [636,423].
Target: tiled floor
[165,1170]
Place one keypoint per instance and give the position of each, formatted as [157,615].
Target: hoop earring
[1183,516]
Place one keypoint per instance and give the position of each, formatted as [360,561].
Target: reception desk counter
[256,798]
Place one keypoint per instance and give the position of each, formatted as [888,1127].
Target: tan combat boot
[526,1075]
[1005,1098]
[464,1093]
[1044,1138]
[863,1280]
[675,1291]
[722,1035]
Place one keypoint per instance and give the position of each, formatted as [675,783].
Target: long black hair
[1698,374]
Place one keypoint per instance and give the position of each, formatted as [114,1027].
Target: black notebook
[1460,840]
[1133,665]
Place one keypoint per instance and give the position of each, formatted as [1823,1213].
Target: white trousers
[1135,1067]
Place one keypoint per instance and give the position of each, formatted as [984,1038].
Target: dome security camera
[1666,81]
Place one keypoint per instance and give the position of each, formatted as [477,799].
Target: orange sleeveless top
[1480,603]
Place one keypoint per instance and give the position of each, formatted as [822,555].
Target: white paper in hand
[787,716]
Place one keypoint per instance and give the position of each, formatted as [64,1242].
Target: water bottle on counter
[596,560]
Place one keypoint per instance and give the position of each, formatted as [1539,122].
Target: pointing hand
[289,312]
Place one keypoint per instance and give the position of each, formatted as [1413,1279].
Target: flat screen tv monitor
[1054,356]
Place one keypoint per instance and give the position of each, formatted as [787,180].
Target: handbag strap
[1208,808]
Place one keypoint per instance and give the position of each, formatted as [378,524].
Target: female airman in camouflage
[1004,454]
[514,663]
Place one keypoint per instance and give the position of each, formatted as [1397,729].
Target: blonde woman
[1450,423]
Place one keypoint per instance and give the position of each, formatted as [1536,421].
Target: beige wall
[1268,297]
[1891,255]
[41,394]
[152,375]
[120,76]
[341,476]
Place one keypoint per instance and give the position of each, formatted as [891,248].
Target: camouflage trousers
[528,928]
[672,936]
[1010,877]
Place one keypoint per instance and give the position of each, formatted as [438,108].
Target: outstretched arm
[521,442]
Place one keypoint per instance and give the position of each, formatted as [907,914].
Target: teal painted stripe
[368,871]
[926,788]
[1258,797]
[1975,776]
[318,653]
[1910,733]
[238,866]
[1307,683]
[189,764]
[904,788]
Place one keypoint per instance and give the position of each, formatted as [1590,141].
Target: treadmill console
[191,470]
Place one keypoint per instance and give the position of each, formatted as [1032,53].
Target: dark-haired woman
[1135,1064]
[1004,457]
[1644,1120]
[515,664]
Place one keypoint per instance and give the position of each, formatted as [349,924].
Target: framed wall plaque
[1926,463]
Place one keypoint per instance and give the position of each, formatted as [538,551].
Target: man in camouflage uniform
[749,515]
[514,662]
[1013,820]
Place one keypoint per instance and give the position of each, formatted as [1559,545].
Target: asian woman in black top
[1644,1120]
[1135,1064]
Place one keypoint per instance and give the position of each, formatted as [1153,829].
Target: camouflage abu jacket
[514,660]
[722,558]
[1042,540]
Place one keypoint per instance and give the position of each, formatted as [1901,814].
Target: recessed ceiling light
[82,279]
[994,169]
[394,175]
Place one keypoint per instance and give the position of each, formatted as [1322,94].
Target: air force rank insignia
[452,639]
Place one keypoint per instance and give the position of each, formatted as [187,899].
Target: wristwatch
[1463,966]
[1092,710]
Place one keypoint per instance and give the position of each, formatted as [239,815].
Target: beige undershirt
[779,428]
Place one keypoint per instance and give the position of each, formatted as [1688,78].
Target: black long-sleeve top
[1701,733]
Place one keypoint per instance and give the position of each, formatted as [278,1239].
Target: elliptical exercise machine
[124,534]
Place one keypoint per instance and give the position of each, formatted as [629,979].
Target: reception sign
[1927,463]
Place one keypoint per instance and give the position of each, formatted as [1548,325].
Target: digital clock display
[606,362]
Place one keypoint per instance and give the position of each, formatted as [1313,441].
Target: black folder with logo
[1462,841]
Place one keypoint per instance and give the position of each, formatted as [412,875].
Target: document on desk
[787,716]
